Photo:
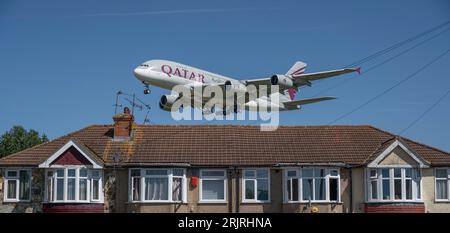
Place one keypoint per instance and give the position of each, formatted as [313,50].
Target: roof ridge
[253,126]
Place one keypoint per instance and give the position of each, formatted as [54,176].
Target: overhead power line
[399,44]
[383,62]
[405,51]
[424,113]
[390,88]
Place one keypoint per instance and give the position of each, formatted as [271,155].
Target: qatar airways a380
[168,74]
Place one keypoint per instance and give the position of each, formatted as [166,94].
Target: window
[96,185]
[334,185]
[394,184]
[59,185]
[442,184]
[177,184]
[157,185]
[292,186]
[83,184]
[71,179]
[17,185]
[373,180]
[256,185]
[135,175]
[312,184]
[73,184]
[213,185]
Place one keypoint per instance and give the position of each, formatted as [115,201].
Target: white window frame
[170,177]
[255,179]
[91,178]
[54,179]
[225,185]
[448,184]
[300,184]
[6,179]
[415,173]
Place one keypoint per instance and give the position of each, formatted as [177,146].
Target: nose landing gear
[146,90]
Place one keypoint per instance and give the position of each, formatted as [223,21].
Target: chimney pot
[126,110]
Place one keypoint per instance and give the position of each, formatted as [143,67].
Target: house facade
[126,167]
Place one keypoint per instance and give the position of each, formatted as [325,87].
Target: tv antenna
[135,102]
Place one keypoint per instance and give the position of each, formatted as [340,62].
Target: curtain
[249,189]
[176,189]
[12,185]
[408,187]
[136,188]
[319,189]
[95,188]
[441,189]
[308,189]
[374,184]
[213,190]
[71,189]
[60,189]
[83,189]
[156,188]
[24,185]
[49,189]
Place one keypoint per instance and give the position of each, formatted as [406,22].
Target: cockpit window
[144,65]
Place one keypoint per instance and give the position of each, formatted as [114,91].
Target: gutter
[331,164]
[149,164]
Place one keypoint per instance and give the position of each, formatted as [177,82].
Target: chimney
[123,123]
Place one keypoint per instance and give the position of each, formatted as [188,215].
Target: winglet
[358,70]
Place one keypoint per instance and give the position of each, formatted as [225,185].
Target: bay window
[312,184]
[157,185]
[256,185]
[17,185]
[442,184]
[393,184]
[73,184]
[213,185]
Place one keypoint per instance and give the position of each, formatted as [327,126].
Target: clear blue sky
[61,62]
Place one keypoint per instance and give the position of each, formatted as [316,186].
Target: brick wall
[395,208]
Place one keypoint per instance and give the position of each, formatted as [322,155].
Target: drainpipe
[233,185]
[351,188]
[230,189]
[237,172]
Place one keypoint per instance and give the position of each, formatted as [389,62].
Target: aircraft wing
[302,78]
[291,105]
[305,79]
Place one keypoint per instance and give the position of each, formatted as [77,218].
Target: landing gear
[146,90]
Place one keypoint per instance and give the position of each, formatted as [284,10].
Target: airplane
[168,74]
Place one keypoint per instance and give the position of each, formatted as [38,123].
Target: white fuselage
[168,74]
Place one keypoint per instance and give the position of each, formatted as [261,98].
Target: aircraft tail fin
[297,69]
[291,92]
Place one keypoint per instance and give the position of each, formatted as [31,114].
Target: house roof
[230,145]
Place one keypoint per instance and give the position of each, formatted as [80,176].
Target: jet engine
[282,80]
[167,101]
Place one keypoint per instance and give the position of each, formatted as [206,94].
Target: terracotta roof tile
[230,145]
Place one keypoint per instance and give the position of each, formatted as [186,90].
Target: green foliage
[17,139]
